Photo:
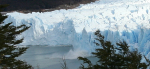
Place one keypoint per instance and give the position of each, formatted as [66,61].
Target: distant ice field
[117,19]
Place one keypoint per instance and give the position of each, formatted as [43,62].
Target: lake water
[47,57]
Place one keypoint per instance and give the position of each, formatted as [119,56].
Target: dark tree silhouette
[114,57]
[8,50]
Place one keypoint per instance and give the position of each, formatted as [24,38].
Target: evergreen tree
[114,57]
[8,41]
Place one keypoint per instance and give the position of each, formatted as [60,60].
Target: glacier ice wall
[117,19]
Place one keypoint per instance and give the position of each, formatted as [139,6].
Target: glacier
[116,19]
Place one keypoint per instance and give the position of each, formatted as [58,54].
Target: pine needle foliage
[8,42]
[114,57]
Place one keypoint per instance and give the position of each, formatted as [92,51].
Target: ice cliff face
[117,19]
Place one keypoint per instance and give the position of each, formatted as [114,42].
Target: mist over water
[49,57]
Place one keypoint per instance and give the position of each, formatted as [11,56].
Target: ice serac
[117,19]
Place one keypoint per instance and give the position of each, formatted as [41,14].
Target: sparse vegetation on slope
[40,5]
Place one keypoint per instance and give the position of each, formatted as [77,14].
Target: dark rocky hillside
[39,5]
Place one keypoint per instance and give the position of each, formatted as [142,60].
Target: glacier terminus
[117,20]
